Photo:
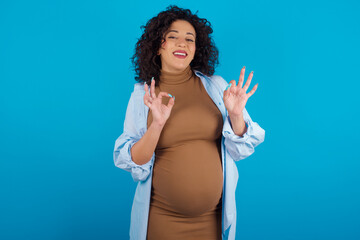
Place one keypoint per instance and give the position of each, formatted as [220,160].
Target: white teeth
[179,53]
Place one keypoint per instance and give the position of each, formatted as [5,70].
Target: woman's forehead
[182,26]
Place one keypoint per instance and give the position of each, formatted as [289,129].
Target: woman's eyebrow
[176,31]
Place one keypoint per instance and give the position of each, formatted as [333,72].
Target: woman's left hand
[235,97]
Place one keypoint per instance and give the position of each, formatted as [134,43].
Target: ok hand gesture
[160,111]
[235,97]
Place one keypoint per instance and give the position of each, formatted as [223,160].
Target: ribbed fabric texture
[187,175]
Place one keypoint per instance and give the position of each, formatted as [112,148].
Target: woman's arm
[143,150]
[134,148]
[241,134]
[134,130]
[238,124]
[240,141]
[240,147]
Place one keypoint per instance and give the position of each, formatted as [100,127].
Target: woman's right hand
[160,111]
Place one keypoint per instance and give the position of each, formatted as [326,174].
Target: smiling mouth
[181,55]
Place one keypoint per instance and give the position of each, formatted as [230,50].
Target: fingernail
[252,72]
[152,79]
[171,96]
[228,87]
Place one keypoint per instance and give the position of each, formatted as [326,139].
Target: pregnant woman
[184,129]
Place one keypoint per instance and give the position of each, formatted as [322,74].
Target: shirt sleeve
[242,147]
[131,134]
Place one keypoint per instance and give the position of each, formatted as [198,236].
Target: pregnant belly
[188,179]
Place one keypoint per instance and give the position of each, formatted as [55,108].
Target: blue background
[66,78]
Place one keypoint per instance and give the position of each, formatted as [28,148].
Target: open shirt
[233,148]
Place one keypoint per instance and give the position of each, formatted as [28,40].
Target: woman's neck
[173,78]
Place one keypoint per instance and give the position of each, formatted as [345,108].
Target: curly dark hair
[147,62]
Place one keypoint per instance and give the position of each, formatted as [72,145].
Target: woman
[182,151]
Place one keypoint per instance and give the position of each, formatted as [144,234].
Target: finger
[152,88]
[147,94]
[226,94]
[241,78]
[147,101]
[148,104]
[227,87]
[248,81]
[146,87]
[232,88]
[164,94]
[252,90]
[171,103]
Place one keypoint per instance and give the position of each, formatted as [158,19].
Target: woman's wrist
[238,124]
[157,126]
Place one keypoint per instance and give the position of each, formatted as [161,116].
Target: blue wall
[66,78]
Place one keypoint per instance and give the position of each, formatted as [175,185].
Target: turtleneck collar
[170,78]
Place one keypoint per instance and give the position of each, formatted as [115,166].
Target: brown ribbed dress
[187,176]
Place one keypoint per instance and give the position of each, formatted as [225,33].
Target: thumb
[171,103]
[226,94]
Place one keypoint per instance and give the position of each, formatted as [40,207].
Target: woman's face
[178,49]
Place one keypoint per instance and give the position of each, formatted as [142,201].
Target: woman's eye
[172,37]
[189,40]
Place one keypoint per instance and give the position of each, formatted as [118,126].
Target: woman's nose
[181,42]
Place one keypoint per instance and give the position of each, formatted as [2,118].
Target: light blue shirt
[233,148]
